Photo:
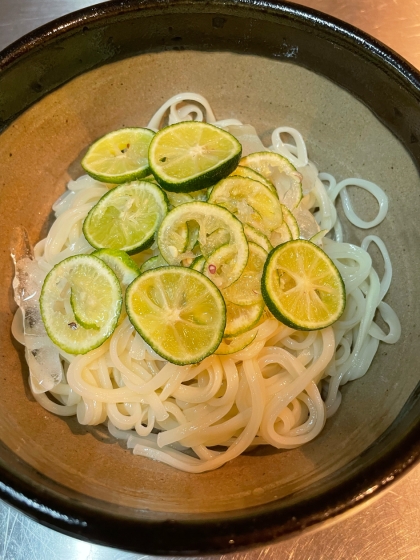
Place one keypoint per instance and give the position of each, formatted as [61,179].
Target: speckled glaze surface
[268,65]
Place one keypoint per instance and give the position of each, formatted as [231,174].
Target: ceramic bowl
[357,104]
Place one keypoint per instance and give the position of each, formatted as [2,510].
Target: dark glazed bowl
[357,104]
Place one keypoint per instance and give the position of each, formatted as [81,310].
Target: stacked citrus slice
[206,227]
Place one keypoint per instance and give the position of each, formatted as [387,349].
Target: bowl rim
[190,535]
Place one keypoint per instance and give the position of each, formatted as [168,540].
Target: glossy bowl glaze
[357,104]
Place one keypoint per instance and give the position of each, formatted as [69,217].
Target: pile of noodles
[278,391]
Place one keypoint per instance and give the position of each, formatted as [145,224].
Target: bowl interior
[41,151]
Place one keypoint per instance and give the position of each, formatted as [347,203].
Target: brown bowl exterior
[357,105]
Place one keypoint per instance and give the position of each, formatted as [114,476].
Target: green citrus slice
[287,231]
[242,318]
[193,233]
[217,228]
[178,311]
[291,222]
[80,290]
[198,263]
[153,262]
[319,237]
[119,156]
[302,287]
[247,289]
[244,171]
[120,263]
[281,235]
[280,172]
[192,155]
[126,217]
[218,266]
[257,236]
[235,344]
[250,201]
[177,198]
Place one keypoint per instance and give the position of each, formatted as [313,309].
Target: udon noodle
[277,391]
